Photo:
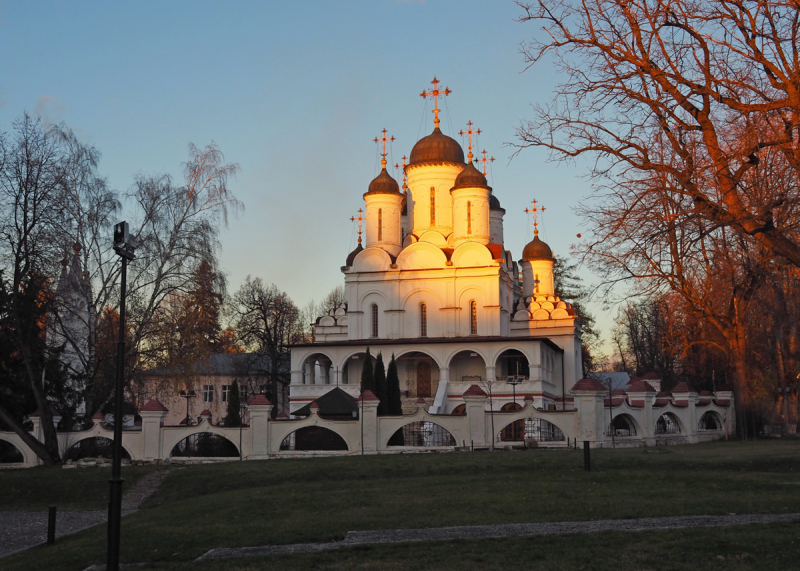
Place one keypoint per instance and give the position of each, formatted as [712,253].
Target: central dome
[537,250]
[436,147]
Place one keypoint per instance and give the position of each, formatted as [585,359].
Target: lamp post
[188,395]
[124,246]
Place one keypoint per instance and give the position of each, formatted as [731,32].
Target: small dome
[494,204]
[537,250]
[436,147]
[383,184]
[352,255]
[470,177]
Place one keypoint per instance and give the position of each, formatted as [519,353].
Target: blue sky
[293,92]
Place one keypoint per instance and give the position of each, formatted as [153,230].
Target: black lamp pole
[124,246]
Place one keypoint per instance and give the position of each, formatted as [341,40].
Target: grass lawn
[290,501]
[79,488]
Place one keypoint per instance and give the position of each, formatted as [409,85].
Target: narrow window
[536,282]
[208,393]
[469,218]
[433,206]
[374,310]
[423,320]
[473,318]
[225,390]
[380,224]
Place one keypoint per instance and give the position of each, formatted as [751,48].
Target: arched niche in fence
[710,421]
[10,454]
[622,426]
[423,434]
[93,447]
[204,445]
[668,423]
[514,432]
[531,428]
[314,438]
[460,410]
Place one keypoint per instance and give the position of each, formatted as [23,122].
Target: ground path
[22,529]
[373,537]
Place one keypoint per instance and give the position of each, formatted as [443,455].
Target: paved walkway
[373,537]
[22,529]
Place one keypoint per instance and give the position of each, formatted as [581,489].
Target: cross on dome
[484,160]
[435,93]
[469,132]
[360,219]
[405,176]
[535,210]
[383,140]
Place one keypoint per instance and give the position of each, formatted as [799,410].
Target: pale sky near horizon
[294,93]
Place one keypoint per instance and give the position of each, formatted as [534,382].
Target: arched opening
[418,375]
[537,429]
[10,454]
[373,320]
[318,370]
[313,438]
[622,426]
[710,421]
[467,367]
[423,320]
[473,318]
[668,423]
[351,370]
[422,434]
[512,363]
[204,445]
[460,410]
[514,432]
[95,447]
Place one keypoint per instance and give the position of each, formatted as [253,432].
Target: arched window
[469,218]
[536,282]
[374,315]
[380,224]
[433,206]
[473,318]
[423,320]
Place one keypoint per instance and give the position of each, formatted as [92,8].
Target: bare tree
[266,321]
[696,93]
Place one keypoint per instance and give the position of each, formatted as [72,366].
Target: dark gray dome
[436,147]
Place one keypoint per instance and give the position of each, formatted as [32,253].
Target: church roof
[494,203]
[537,250]
[470,177]
[436,147]
[383,184]
[352,255]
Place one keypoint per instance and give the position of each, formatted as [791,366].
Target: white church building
[435,286]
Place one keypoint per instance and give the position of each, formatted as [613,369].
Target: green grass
[79,488]
[290,501]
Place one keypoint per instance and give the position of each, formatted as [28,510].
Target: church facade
[434,285]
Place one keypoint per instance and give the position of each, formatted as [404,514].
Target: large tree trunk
[32,443]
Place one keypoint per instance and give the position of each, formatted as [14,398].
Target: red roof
[661,402]
[637,403]
[588,385]
[652,375]
[681,387]
[614,402]
[368,396]
[681,403]
[474,391]
[420,400]
[496,250]
[314,405]
[528,398]
[723,402]
[206,412]
[97,416]
[258,400]
[153,405]
[639,386]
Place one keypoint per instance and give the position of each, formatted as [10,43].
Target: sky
[295,93]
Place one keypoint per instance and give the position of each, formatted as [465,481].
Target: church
[434,286]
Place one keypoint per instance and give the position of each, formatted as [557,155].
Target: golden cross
[360,219]
[405,176]
[383,140]
[484,160]
[469,132]
[435,93]
[535,210]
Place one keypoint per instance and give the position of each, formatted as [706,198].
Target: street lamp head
[124,243]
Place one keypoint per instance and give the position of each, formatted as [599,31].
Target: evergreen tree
[393,403]
[380,386]
[234,417]
[367,374]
